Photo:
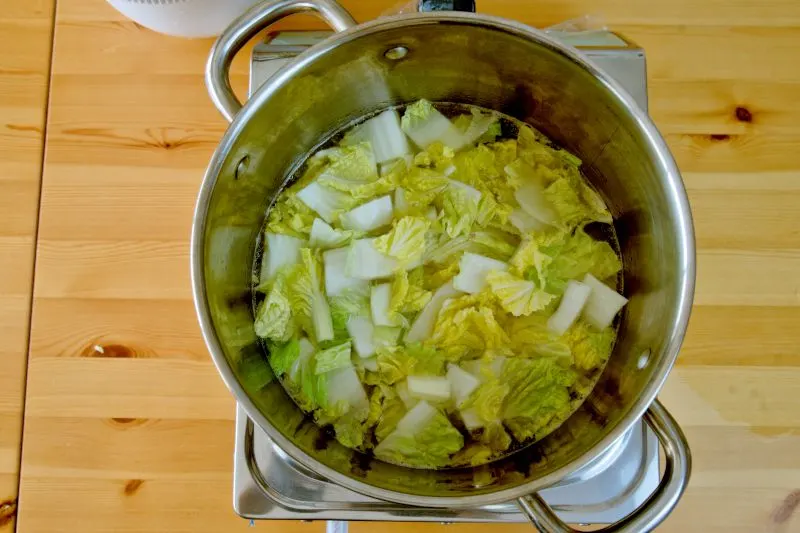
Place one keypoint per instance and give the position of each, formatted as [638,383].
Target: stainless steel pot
[494,63]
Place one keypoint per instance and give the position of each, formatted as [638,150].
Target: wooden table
[25,33]
[127,426]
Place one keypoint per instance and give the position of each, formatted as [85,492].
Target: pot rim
[664,160]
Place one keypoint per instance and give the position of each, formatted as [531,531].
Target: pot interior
[494,64]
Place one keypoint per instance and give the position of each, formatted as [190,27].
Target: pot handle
[248,26]
[660,503]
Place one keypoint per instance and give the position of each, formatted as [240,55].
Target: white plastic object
[183,18]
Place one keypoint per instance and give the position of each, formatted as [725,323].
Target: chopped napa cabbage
[400,202]
[380,305]
[393,410]
[479,127]
[570,307]
[478,242]
[290,216]
[282,251]
[441,250]
[533,201]
[493,243]
[365,261]
[337,280]
[324,236]
[554,257]
[407,293]
[406,240]
[423,326]
[459,208]
[273,319]
[484,409]
[486,368]
[538,394]
[370,363]
[422,186]
[384,135]
[432,389]
[346,393]
[462,383]
[473,269]
[281,357]
[369,216]
[436,156]
[603,304]
[361,331]
[351,163]
[394,365]
[326,202]
[306,298]
[517,296]
[385,336]
[465,325]
[361,191]
[590,348]
[333,358]
[397,363]
[536,150]
[348,304]
[425,125]
[423,438]
[401,388]
[524,222]
[295,362]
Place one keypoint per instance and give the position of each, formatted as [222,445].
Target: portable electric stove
[268,484]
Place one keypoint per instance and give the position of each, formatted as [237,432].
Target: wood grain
[25,31]
[128,427]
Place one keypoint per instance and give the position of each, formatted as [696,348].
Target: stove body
[270,485]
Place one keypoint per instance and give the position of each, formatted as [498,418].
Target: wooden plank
[25,31]
[140,440]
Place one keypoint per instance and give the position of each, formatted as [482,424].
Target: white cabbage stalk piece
[570,308]
[402,392]
[471,192]
[495,367]
[472,271]
[532,200]
[324,236]
[422,327]
[369,216]
[379,300]
[337,280]
[603,304]
[344,386]
[462,383]
[430,388]
[435,127]
[361,330]
[400,202]
[370,363]
[365,261]
[524,222]
[326,202]
[384,135]
[281,251]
